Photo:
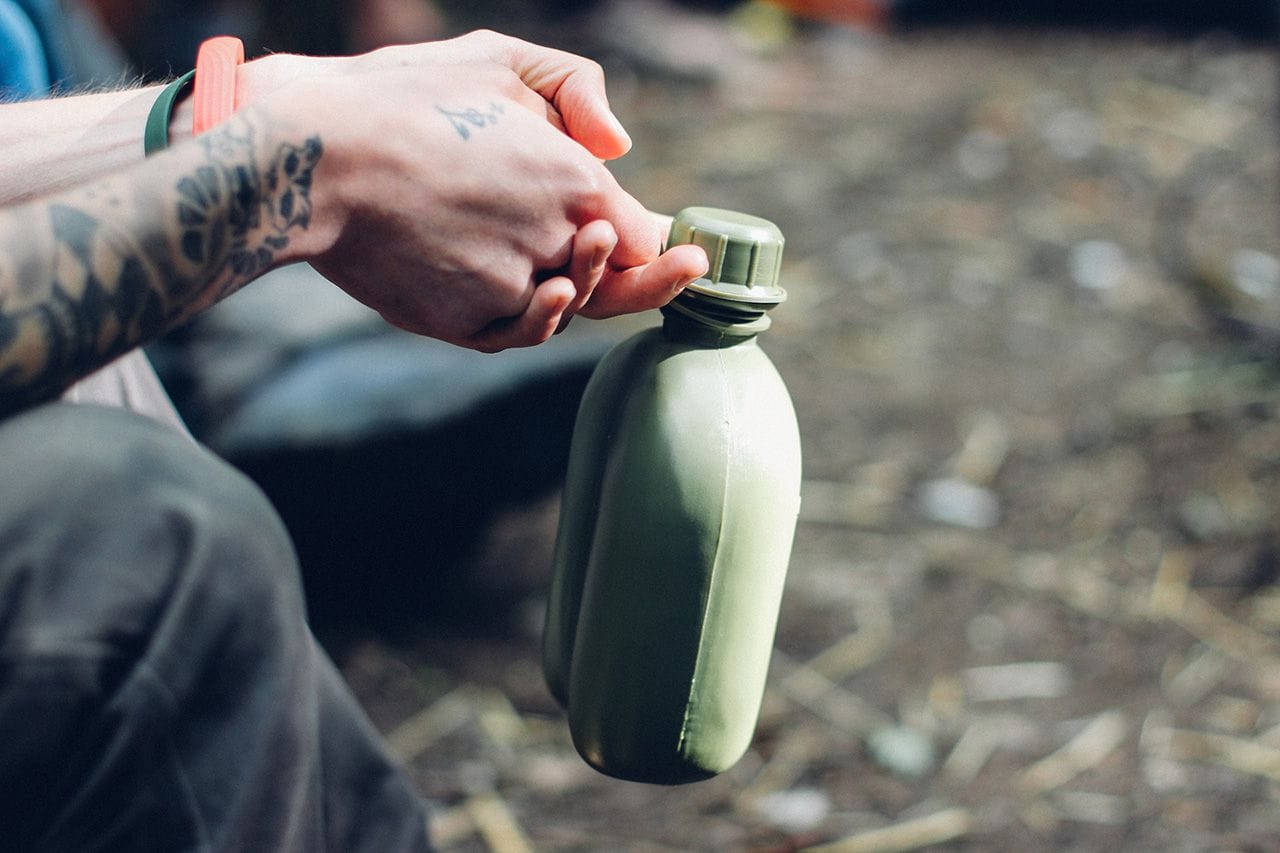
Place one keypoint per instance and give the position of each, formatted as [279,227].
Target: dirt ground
[1032,600]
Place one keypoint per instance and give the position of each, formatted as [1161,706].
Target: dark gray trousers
[159,686]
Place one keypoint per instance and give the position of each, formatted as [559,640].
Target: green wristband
[156,135]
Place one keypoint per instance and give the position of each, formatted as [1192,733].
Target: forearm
[54,144]
[89,273]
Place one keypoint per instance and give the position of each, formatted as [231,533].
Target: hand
[453,204]
[572,87]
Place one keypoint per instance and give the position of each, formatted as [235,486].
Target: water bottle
[676,525]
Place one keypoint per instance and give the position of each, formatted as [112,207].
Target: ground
[1032,599]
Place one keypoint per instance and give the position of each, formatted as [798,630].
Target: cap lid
[744,253]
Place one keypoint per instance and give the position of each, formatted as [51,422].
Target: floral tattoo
[101,270]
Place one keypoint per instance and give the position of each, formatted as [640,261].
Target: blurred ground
[1032,602]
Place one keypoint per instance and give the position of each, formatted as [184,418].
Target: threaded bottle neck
[703,319]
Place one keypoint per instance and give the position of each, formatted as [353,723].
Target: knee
[109,507]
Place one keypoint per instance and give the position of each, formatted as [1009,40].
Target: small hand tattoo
[464,121]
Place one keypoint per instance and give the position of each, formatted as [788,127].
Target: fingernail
[706,268]
[599,257]
[620,130]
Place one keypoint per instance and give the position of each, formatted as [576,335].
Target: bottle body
[679,512]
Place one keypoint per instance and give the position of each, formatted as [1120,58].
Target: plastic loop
[215,95]
[155,136]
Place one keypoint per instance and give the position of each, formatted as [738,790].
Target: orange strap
[214,98]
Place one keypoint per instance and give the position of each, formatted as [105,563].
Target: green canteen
[675,530]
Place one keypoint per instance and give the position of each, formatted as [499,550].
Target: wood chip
[1171,585]
[984,451]
[1090,807]
[1023,680]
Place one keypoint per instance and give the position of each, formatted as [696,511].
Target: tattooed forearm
[98,271]
[237,216]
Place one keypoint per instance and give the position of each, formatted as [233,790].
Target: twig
[970,754]
[497,825]
[499,719]
[1225,634]
[448,827]
[1196,678]
[909,835]
[817,693]
[795,754]
[1208,390]
[862,648]
[1087,749]
[1082,589]
[1240,754]
[443,717]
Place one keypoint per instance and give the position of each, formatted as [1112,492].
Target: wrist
[261,77]
[293,160]
[288,109]
[254,80]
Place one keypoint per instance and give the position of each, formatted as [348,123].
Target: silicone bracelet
[215,94]
[155,136]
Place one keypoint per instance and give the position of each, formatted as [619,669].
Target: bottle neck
[714,321]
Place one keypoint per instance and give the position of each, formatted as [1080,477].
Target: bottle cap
[744,252]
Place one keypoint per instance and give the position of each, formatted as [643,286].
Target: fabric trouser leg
[159,687]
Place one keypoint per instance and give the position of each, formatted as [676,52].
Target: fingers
[592,246]
[593,289]
[537,323]
[652,285]
[639,233]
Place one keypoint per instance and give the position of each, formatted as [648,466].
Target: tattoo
[99,271]
[464,120]
[229,210]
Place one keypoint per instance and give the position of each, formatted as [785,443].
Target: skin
[456,187]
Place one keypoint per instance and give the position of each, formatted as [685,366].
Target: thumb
[589,120]
[575,87]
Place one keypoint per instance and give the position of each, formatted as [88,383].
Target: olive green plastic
[155,133]
[744,253]
[676,526]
